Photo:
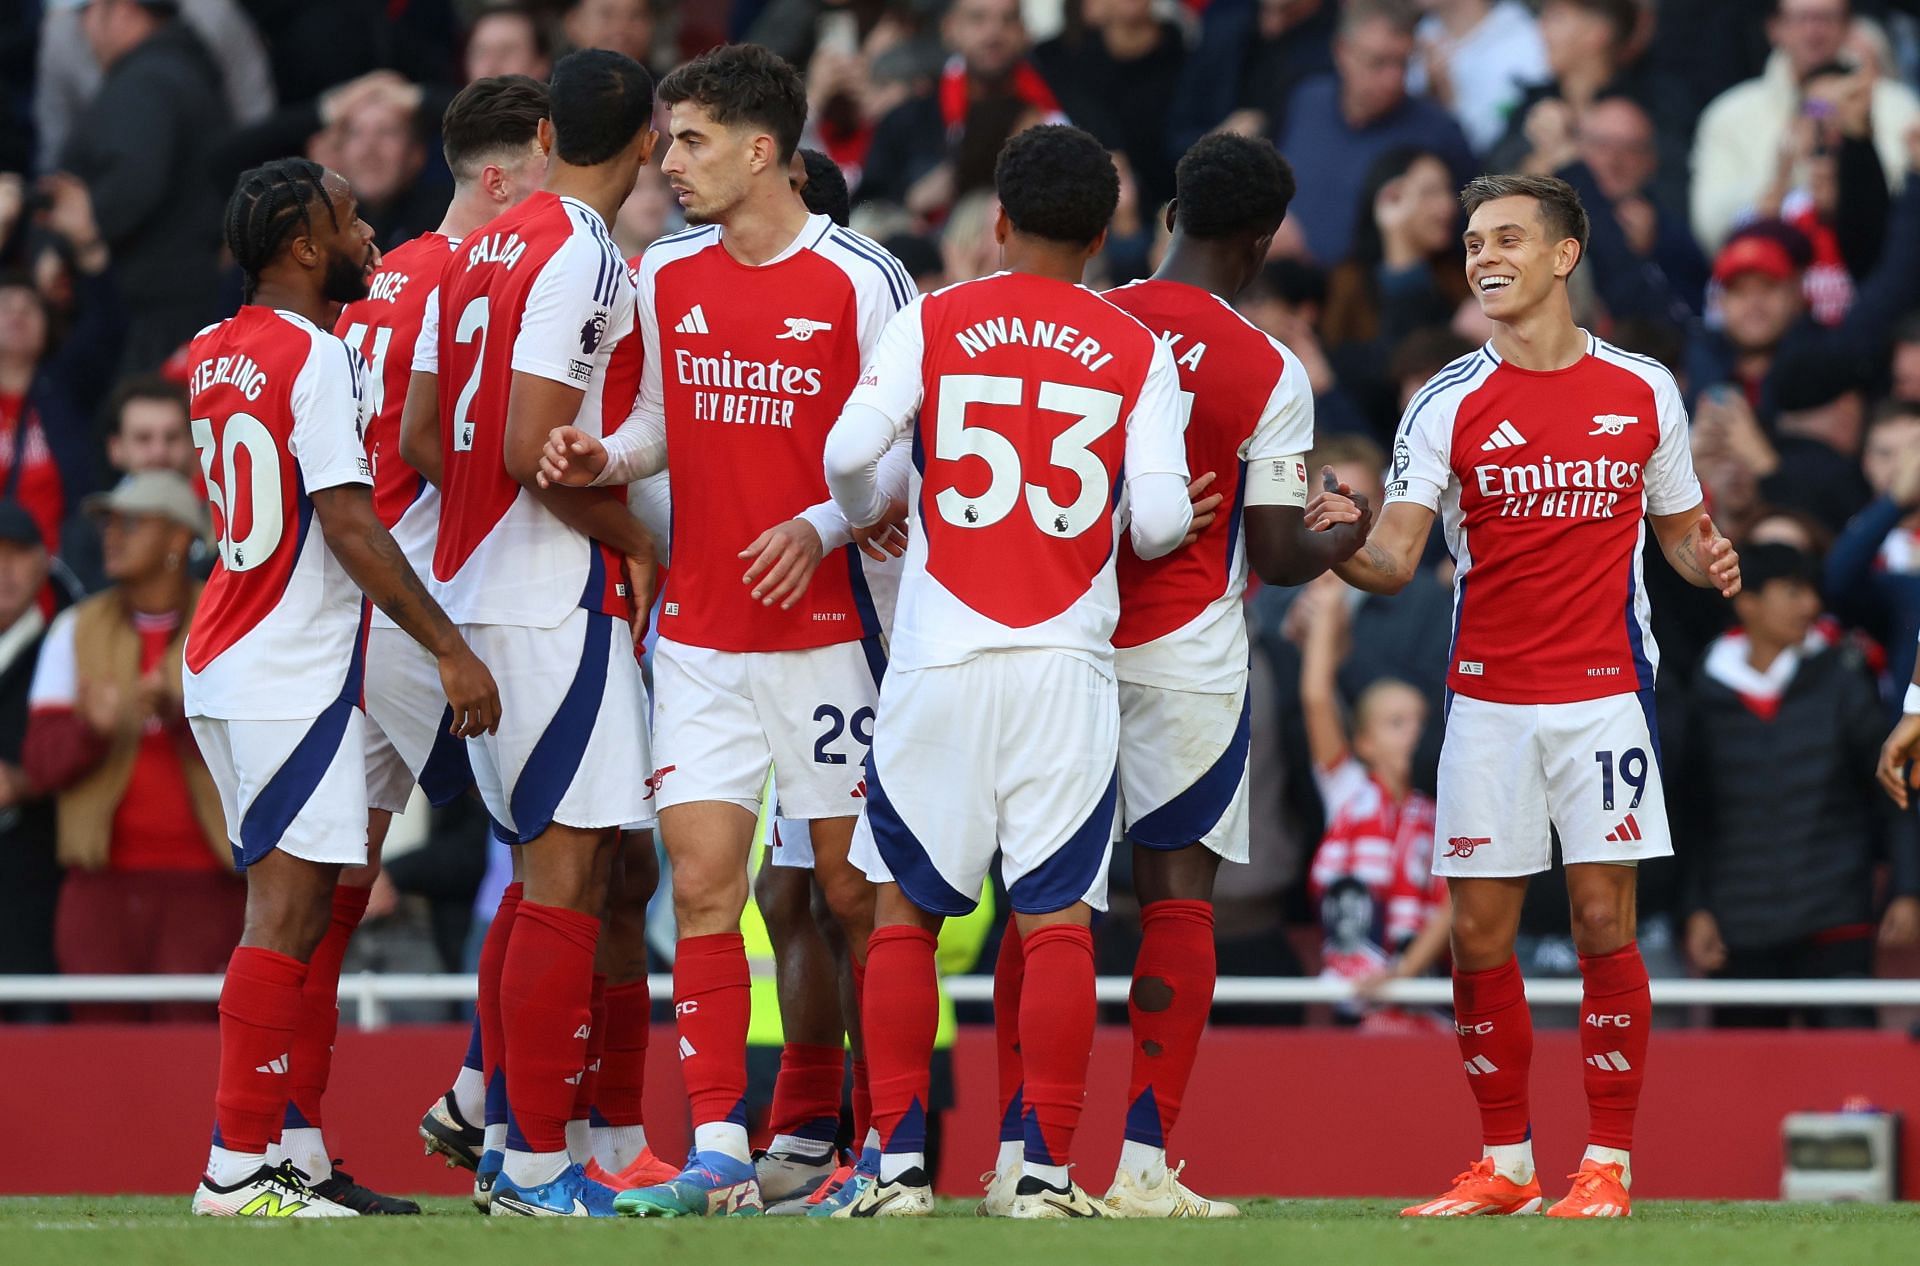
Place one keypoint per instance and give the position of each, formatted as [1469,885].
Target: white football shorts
[1183,768]
[791,844]
[721,718]
[1509,772]
[297,786]
[1010,752]
[408,740]
[572,746]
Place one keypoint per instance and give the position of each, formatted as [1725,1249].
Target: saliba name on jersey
[1549,489]
[504,249]
[775,383]
[996,331]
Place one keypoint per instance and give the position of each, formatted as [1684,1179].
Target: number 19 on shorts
[1631,768]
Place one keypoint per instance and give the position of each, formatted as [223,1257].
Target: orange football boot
[647,1170]
[1599,1191]
[1481,1192]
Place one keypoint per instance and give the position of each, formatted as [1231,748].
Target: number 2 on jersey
[260,504]
[1098,412]
[471,327]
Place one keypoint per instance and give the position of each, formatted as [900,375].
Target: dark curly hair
[1057,182]
[598,101]
[744,83]
[825,192]
[1229,184]
[268,207]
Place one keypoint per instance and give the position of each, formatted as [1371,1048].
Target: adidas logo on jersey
[695,322]
[1611,1062]
[278,1065]
[1626,833]
[1504,436]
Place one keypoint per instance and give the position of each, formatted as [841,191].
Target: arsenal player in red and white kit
[1548,453]
[275,654]
[533,309]
[1035,409]
[755,324]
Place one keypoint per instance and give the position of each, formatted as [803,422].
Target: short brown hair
[491,118]
[1344,448]
[1560,208]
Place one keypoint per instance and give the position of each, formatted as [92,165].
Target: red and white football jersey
[1249,421]
[749,365]
[279,411]
[540,290]
[1544,482]
[1036,401]
[1386,846]
[384,328]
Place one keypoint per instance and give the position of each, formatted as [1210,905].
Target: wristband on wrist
[1911,704]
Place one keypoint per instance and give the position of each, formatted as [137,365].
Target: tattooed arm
[368,553]
[1696,549]
[1392,553]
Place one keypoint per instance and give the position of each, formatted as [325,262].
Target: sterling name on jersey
[539,290]
[751,365]
[1250,422]
[383,328]
[1033,395]
[278,409]
[1544,482]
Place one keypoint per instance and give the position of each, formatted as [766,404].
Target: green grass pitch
[142,1229]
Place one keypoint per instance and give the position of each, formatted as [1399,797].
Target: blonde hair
[1371,698]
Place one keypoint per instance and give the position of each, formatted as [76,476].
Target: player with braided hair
[274,656]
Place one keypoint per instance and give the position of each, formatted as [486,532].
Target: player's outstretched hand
[1896,770]
[1718,557]
[1206,506]
[571,459]
[783,560]
[643,579]
[471,694]
[885,537]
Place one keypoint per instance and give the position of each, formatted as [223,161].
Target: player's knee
[1601,925]
[849,896]
[1480,941]
[287,923]
[708,897]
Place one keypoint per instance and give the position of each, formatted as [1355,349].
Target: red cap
[1755,253]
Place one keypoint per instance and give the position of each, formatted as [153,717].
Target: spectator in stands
[920,256]
[1784,733]
[66,75]
[46,458]
[1476,58]
[379,148]
[1616,141]
[1250,57]
[1905,362]
[150,884]
[1743,132]
[148,420]
[625,26]
[1873,570]
[1810,460]
[931,150]
[140,150]
[28,897]
[508,39]
[1287,301]
[1115,70]
[1338,124]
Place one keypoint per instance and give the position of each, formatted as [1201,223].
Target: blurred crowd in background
[1755,229]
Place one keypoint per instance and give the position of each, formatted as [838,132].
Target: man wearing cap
[150,884]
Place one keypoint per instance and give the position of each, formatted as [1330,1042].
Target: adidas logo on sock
[1504,436]
[278,1065]
[1611,1062]
[1626,833]
[695,322]
[686,1049]
[1480,1066]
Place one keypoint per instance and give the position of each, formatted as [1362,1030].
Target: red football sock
[1616,1020]
[583,1095]
[493,1034]
[320,1010]
[259,1013]
[806,1094]
[1172,993]
[546,994]
[862,1079]
[1009,969]
[712,1002]
[1496,1044]
[1056,1037]
[623,1068]
[902,985]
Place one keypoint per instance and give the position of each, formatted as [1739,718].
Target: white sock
[723,1137]
[496,1140]
[1512,1161]
[470,1095]
[580,1141]
[307,1149]
[1612,1156]
[1011,1151]
[1055,1176]
[1148,1164]
[534,1169]
[618,1146]
[894,1164]
[815,1150]
[226,1168]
